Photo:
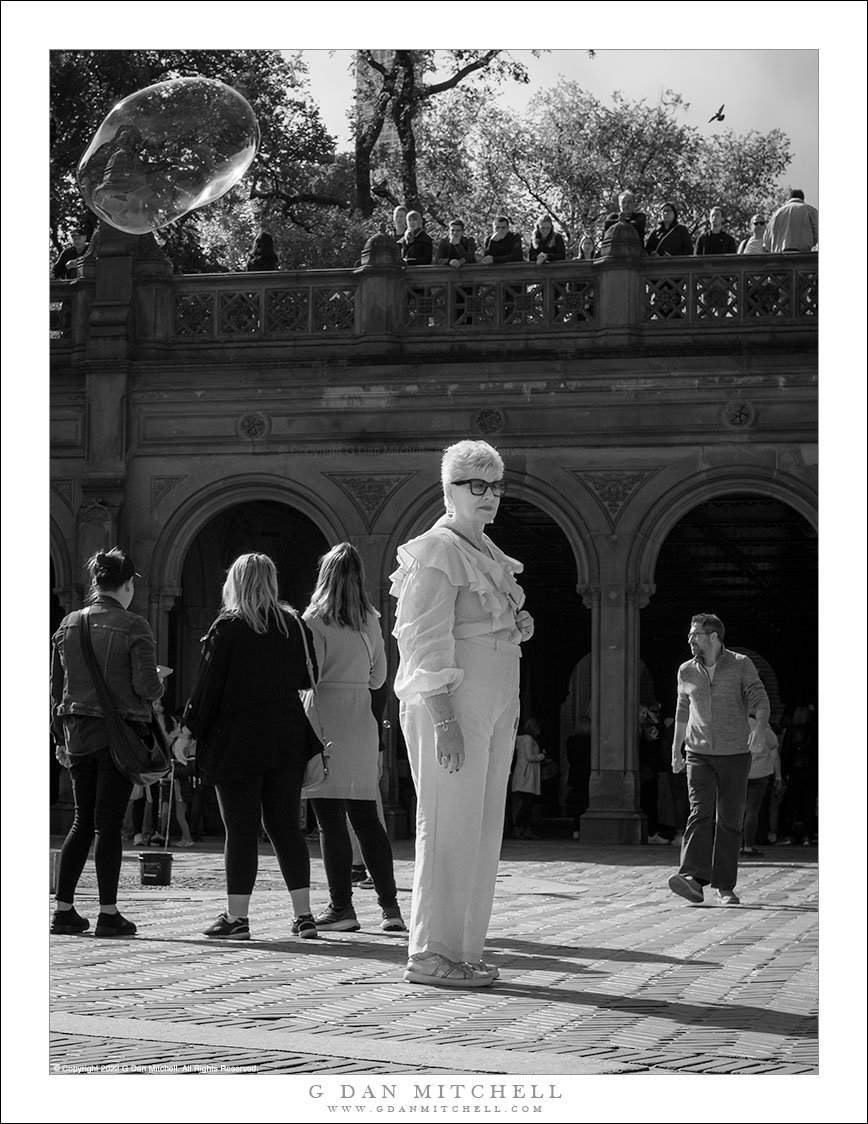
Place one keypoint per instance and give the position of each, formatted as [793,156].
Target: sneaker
[728,897]
[141,840]
[658,840]
[156,841]
[237,930]
[338,920]
[366,883]
[751,853]
[359,874]
[184,843]
[68,921]
[304,926]
[686,887]
[392,921]
[772,836]
[113,925]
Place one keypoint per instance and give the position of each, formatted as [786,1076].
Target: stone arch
[683,497]
[194,513]
[60,558]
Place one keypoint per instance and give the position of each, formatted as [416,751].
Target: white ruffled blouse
[447,590]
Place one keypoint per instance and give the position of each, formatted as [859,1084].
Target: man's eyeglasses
[759,224]
[480,487]
[693,635]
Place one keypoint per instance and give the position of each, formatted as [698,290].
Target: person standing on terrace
[502,245]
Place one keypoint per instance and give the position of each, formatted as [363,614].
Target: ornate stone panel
[612,488]
[369,491]
[62,487]
[161,486]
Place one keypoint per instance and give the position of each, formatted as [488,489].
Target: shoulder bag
[140,760]
[316,749]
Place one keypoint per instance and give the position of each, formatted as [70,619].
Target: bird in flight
[719,116]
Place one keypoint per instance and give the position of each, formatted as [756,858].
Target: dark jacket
[638,220]
[505,249]
[463,250]
[674,241]
[125,652]
[417,249]
[710,243]
[62,270]
[553,248]
[245,712]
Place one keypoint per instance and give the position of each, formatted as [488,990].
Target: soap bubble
[166,150]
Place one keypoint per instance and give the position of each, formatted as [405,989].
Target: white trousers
[459,817]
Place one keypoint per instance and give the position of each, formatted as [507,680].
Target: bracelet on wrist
[444,723]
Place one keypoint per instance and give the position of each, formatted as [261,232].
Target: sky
[761,90]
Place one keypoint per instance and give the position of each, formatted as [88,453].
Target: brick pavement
[604,971]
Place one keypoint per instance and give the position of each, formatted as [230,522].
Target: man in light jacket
[793,228]
[717,691]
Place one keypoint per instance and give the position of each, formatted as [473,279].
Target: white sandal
[439,971]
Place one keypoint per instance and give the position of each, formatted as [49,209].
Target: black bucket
[155,868]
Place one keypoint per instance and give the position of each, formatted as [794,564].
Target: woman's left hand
[524,623]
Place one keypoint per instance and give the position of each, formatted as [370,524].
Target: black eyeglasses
[691,635]
[759,224]
[480,487]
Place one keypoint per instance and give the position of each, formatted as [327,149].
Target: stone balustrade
[574,306]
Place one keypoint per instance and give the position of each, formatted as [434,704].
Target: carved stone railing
[747,289]
[604,304]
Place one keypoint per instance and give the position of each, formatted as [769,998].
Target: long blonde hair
[250,592]
[340,595]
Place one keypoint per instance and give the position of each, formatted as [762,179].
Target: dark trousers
[337,850]
[717,788]
[756,790]
[524,802]
[271,798]
[101,796]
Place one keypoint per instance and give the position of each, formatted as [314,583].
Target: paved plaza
[603,971]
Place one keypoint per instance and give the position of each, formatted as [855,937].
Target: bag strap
[310,674]
[307,658]
[105,700]
[364,637]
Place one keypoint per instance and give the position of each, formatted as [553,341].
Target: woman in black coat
[670,239]
[546,244]
[250,728]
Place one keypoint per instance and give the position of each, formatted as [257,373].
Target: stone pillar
[107,353]
[378,293]
[613,814]
[621,282]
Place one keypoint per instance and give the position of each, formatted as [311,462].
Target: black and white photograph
[439,627]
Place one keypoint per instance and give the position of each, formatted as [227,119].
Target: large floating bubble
[166,150]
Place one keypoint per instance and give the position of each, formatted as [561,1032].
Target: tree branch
[459,76]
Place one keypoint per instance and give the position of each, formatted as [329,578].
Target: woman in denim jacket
[126,654]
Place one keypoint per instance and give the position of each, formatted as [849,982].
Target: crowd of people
[277,687]
[792,228]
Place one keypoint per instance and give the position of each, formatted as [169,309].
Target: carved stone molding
[369,491]
[62,487]
[161,486]
[253,426]
[612,488]
[739,414]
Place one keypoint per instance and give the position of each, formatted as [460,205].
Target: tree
[393,85]
[571,155]
[295,144]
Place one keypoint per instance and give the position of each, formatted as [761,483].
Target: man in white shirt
[794,228]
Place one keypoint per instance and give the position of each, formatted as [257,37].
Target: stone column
[613,814]
[378,294]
